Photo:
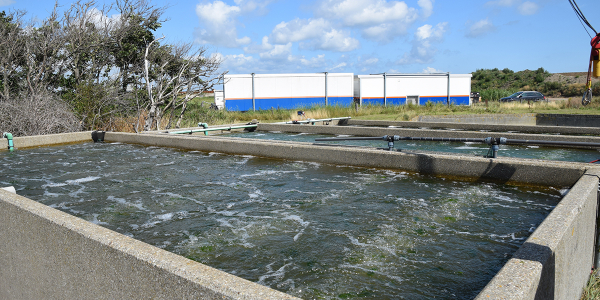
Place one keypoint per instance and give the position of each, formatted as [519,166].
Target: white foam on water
[165,217]
[297,219]
[533,146]
[266,172]
[46,193]
[166,164]
[96,221]
[278,274]
[393,277]
[224,223]
[82,180]
[122,201]
[343,135]
[255,194]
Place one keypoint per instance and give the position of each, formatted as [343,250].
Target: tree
[173,75]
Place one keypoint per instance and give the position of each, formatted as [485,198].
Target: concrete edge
[545,266]
[470,126]
[201,276]
[506,170]
[47,140]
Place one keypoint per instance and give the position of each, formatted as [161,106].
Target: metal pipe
[314,120]
[384,89]
[326,98]
[212,129]
[406,138]
[554,143]
[253,99]
[9,137]
[448,96]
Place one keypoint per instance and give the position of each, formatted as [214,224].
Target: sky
[376,36]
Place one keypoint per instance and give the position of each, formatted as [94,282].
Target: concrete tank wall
[555,261]
[48,254]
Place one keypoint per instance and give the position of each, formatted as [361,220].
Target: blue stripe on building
[422,100]
[284,103]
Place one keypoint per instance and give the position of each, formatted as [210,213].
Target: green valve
[9,136]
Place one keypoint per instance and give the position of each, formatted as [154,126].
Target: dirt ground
[572,77]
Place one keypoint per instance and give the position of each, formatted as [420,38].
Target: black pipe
[404,138]
[472,140]
[555,143]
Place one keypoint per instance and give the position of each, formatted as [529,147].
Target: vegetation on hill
[494,84]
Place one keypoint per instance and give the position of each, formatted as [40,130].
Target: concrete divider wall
[478,127]
[47,140]
[48,254]
[568,120]
[468,167]
[515,119]
[555,261]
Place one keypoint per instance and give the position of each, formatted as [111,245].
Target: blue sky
[376,36]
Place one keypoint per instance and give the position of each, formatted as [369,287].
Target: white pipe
[10,189]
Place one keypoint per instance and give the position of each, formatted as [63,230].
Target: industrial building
[243,92]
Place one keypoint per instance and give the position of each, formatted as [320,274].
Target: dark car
[524,96]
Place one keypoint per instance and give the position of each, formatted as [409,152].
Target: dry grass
[592,290]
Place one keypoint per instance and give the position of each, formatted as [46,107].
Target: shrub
[36,115]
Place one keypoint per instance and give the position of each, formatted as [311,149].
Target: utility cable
[582,18]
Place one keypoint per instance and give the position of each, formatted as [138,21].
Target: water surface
[312,230]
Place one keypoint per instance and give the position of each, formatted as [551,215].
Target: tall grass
[495,94]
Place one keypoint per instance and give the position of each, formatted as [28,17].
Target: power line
[581,17]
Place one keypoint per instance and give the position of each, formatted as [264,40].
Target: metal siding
[433,88]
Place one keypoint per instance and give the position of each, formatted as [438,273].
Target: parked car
[524,96]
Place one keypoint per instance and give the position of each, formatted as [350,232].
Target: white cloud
[427,6]
[6,2]
[430,70]
[315,62]
[263,47]
[480,28]
[371,61]
[339,66]
[528,8]
[278,53]
[378,20]
[423,49]
[298,30]
[219,23]
[99,19]
[317,34]
[524,8]
[253,6]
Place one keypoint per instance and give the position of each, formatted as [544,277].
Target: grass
[592,290]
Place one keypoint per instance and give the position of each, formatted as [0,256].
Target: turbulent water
[311,230]
[535,152]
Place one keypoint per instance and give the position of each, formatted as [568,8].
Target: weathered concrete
[48,254]
[479,127]
[47,140]
[568,120]
[374,131]
[515,119]
[467,167]
[555,261]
